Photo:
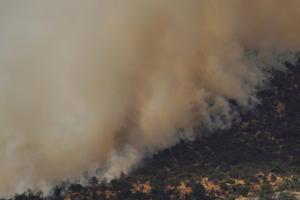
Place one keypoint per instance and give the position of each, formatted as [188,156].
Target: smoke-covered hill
[111,86]
[258,157]
[102,84]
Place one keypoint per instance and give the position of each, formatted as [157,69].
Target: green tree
[266,192]
[286,196]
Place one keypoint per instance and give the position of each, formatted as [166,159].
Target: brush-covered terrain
[258,158]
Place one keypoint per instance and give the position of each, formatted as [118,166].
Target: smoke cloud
[99,83]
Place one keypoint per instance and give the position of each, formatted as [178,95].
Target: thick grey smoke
[93,83]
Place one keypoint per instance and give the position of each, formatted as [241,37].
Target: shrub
[286,196]
[266,192]
[242,189]
[293,184]
[198,192]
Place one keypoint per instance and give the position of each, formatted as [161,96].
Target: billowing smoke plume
[97,83]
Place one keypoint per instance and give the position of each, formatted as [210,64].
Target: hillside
[257,157]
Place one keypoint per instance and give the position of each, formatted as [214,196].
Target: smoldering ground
[85,84]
